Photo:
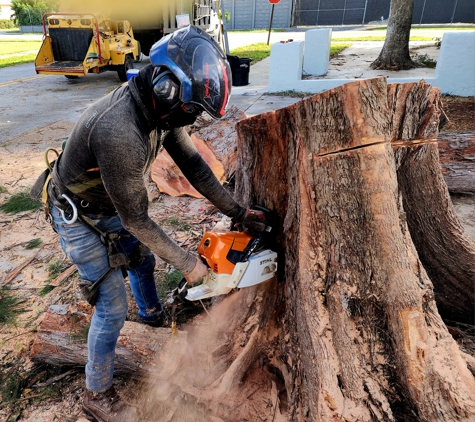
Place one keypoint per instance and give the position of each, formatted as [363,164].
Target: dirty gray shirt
[113,145]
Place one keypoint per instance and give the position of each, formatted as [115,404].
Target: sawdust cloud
[188,371]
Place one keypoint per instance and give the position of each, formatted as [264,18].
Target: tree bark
[361,337]
[395,52]
[457,152]
[434,227]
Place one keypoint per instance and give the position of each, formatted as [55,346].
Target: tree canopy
[30,12]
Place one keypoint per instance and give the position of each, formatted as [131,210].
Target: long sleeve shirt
[110,149]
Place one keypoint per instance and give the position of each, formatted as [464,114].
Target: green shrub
[7,24]
[30,12]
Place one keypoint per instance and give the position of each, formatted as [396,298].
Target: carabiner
[75,210]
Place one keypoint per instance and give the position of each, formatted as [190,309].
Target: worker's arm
[184,153]
[122,163]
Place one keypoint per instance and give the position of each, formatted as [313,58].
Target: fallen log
[457,158]
[61,340]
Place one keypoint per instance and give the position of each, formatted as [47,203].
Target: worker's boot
[108,407]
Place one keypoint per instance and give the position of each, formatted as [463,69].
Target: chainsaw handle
[181,290]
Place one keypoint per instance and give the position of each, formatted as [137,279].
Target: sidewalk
[352,63]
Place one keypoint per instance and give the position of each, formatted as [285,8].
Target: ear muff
[165,87]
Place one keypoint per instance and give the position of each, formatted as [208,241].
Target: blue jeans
[84,248]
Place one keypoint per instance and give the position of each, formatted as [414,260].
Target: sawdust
[187,388]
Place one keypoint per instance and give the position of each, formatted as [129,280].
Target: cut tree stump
[361,337]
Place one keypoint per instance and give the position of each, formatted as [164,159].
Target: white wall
[6,11]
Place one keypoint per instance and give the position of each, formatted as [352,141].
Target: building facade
[6,10]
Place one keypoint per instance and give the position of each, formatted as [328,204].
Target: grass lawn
[18,46]
[429,27]
[14,60]
[260,51]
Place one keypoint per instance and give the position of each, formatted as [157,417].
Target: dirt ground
[29,391]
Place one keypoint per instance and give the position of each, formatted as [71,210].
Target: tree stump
[361,337]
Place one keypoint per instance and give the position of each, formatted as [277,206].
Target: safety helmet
[191,68]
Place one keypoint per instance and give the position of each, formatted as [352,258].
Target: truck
[76,44]
[153,19]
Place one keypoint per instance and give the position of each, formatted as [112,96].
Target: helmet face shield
[201,67]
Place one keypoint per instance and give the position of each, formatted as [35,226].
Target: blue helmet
[191,68]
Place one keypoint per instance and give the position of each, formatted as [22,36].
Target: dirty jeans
[85,249]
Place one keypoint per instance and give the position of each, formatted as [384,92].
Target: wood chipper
[76,44]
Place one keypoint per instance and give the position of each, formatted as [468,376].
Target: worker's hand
[254,220]
[197,273]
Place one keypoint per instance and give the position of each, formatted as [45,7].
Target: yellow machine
[76,44]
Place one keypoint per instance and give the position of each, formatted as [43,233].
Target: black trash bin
[240,68]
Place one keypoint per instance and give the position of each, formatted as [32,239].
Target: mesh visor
[207,72]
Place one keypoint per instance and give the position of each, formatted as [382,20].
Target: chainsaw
[235,259]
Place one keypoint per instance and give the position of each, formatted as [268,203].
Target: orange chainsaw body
[220,249]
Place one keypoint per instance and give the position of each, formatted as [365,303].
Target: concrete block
[455,70]
[285,65]
[317,51]
[454,73]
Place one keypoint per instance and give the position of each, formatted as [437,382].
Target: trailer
[77,44]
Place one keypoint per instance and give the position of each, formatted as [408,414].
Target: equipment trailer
[76,44]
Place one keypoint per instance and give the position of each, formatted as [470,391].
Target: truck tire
[122,69]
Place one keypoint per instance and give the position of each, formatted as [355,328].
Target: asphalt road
[29,101]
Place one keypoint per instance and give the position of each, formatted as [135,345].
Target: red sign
[274,1]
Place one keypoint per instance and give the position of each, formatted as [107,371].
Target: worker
[98,199]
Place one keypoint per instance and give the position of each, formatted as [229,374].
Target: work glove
[254,220]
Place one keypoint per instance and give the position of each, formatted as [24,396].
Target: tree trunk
[457,152]
[361,335]
[434,227]
[395,52]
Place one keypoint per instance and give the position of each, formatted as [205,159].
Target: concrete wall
[454,73]
[255,14]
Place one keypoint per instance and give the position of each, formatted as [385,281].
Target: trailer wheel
[122,69]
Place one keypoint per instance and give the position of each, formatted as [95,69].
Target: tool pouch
[120,259]
[88,293]
[137,256]
[90,290]
[36,191]
[116,259]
